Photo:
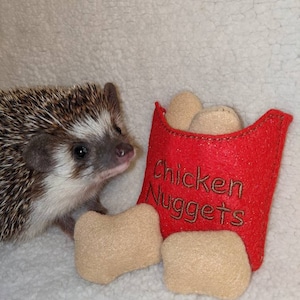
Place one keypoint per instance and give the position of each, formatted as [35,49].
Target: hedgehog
[59,145]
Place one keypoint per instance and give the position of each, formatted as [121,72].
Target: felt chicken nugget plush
[215,120]
[182,109]
[213,263]
[109,246]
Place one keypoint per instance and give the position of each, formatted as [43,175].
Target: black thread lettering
[178,174]
[207,210]
[168,205]
[177,209]
[170,172]
[150,191]
[201,181]
[184,180]
[217,184]
[238,218]
[156,173]
[240,188]
[223,210]
[197,181]
[192,212]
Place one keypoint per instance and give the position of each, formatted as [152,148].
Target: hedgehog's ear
[111,94]
[38,153]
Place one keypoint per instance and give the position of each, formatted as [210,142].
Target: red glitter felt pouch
[215,182]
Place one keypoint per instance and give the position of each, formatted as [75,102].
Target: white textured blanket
[244,54]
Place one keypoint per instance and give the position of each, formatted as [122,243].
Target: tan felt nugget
[216,120]
[182,109]
[214,263]
[109,246]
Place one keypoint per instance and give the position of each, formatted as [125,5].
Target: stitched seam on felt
[219,139]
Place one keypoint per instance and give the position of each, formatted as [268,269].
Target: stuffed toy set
[204,205]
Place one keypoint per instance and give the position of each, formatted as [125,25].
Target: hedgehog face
[98,149]
[92,148]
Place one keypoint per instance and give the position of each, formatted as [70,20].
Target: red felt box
[221,182]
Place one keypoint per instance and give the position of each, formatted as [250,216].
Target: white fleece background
[245,54]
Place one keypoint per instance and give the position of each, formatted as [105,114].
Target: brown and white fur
[59,146]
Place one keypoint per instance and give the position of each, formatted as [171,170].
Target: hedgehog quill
[58,147]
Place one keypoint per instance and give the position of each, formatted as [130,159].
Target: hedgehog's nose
[123,150]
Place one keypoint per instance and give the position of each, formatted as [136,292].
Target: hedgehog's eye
[118,129]
[80,151]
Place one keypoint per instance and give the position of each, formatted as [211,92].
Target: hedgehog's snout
[124,152]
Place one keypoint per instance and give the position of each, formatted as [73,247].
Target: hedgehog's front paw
[94,204]
[67,224]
